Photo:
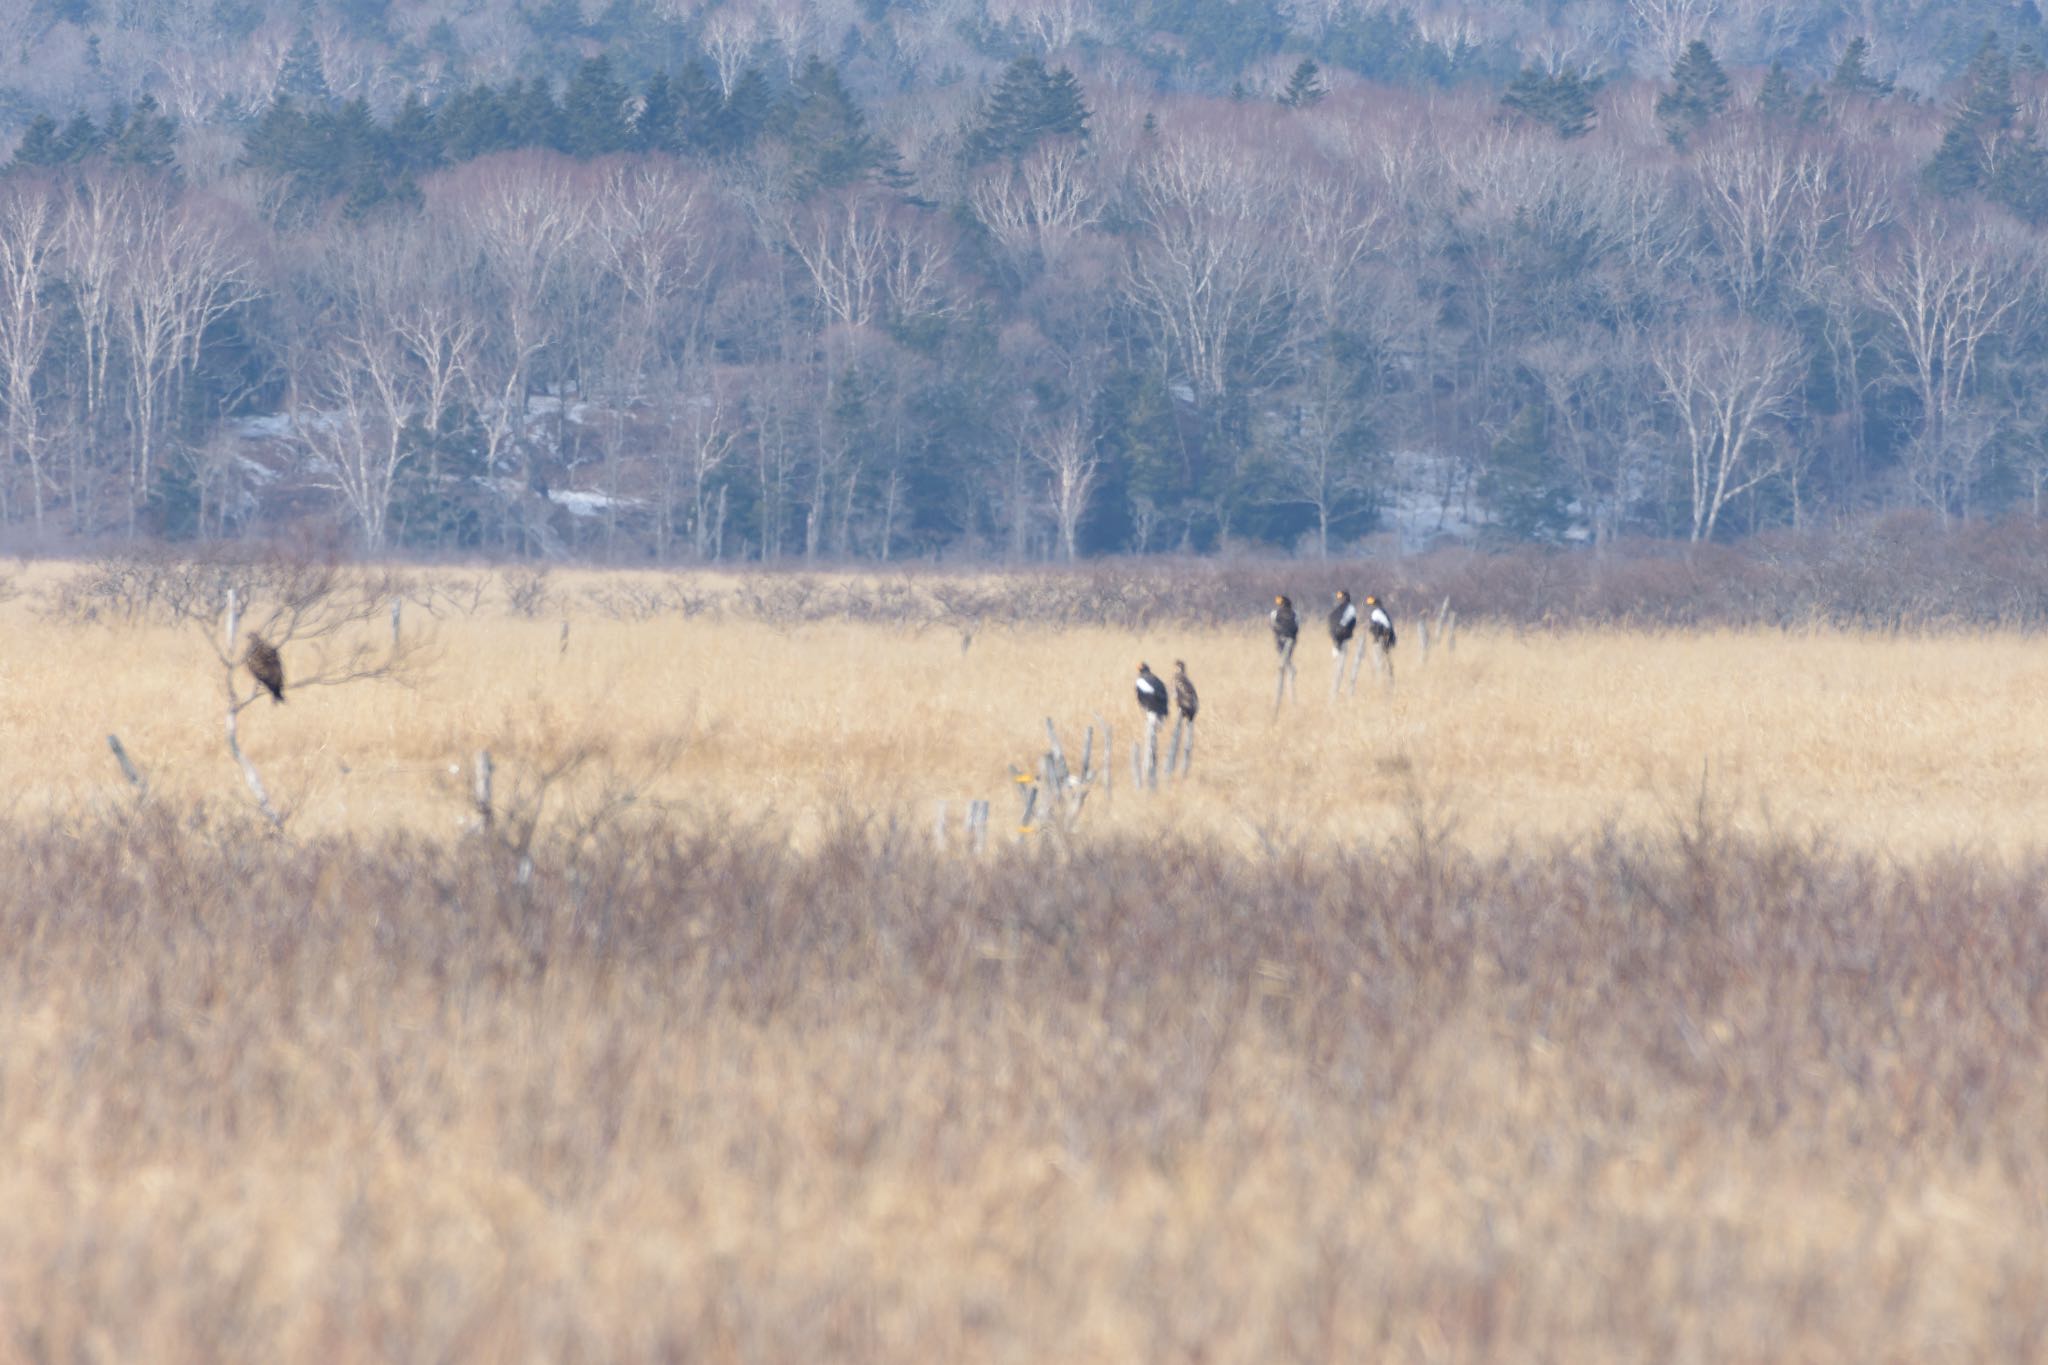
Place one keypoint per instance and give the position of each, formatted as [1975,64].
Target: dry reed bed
[687,1091]
[1906,571]
[1912,744]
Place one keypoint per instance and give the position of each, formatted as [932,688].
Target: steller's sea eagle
[1151,692]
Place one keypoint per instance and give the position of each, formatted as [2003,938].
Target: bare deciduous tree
[383,361]
[1034,209]
[729,36]
[317,615]
[1945,287]
[646,223]
[1725,382]
[1316,440]
[526,216]
[1050,25]
[28,244]
[1599,403]
[1067,450]
[183,269]
[1757,185]
[843,243]
[1204,273]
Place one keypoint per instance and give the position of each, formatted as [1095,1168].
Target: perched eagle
[1184,691]
[1343,621]
[1377,623]
[1151,691]
[265,666]
[1285,626]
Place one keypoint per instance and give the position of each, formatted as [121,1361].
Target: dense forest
[804,279]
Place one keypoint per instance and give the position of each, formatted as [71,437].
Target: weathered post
[128,768]
[1108,758]
[480,788]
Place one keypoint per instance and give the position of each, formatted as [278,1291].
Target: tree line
[732,311]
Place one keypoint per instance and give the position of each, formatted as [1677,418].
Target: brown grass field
[1893,743]
[1462,1021]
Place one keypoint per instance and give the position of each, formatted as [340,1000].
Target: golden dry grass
[1212,1084]
[1898,743]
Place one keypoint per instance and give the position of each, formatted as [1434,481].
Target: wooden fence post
[128,768]
[480,789]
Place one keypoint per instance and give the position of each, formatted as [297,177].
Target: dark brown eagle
[266,667]
[1184,691]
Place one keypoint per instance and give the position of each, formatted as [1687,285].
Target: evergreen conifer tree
[829,141]
[303,77]
[144,136]
[414,138]
[735,122]
[473,123]
[1305,87]
[594,111]
[1983,119]
[658,123]
[1028,105]
[82,138]
[1063,112]
[1775,98]
[532,117]
[42,144]
[1563,101]
[1853,75]
[1699,91]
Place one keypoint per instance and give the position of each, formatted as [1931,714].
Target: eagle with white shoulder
[1151,692]
[1343,622]
[1377,623]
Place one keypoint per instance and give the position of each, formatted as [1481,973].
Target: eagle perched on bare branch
[266,667]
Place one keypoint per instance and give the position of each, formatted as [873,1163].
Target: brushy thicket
[1395,1095]
[1904,572]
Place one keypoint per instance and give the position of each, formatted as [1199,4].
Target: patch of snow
[269,426]
[1424,501]
[583,503]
